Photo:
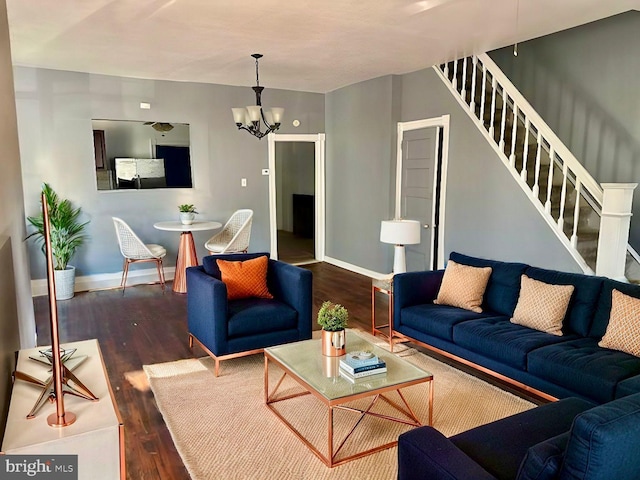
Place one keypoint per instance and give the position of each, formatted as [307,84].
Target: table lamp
[400,233]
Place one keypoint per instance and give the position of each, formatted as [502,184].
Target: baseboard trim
[355,268]
[106,280]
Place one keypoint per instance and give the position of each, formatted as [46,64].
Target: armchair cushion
[251,316]
[543,461]
[245,279]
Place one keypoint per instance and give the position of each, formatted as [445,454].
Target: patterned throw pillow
[542,306]
[463,286]
[623,330]
[245,279]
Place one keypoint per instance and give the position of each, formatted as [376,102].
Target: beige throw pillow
[623,330]
[463,286]
[542,306]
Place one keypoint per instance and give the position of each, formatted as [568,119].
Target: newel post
[614,229]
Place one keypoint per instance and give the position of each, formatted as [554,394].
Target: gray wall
[584,83]
[55,109]
[17,325]
[487,213]
[361,134]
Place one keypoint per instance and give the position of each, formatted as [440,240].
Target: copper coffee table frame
[378,394]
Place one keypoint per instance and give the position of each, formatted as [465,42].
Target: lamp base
[399,260]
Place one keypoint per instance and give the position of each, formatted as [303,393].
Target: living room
[54,113]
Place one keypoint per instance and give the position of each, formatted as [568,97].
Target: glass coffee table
[319,376]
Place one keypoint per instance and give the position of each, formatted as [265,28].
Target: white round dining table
[187,256]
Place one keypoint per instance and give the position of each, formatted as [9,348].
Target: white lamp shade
[268,117]
[400,232]
[238,114]
[277,112]
[254,112]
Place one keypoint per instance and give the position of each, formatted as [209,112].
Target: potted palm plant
[187,213]
[67,235]
[333,318]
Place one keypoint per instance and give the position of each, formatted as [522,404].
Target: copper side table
[187,256]
[384,286]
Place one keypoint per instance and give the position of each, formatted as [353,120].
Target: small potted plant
[187,213]
[67,235]
[333,318]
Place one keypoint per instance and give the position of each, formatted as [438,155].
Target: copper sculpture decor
[62,380]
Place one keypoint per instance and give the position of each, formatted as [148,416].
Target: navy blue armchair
[567,440]
[228,329]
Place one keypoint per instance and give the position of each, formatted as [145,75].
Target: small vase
[334,343]
[187,217]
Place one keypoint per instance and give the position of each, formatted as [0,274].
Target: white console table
[97,436]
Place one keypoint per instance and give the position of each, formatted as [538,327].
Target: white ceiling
[308,45]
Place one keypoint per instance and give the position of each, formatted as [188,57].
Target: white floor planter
[65,282]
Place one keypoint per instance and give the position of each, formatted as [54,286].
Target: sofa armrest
[207,309]
[426,454]
[414,288]
[293,285]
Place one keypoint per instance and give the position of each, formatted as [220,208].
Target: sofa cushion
[584,301]
[583,367]
[542,306]
[503,288]
[500,446]
[543,460]
[603,311]
[437,320]
[501,340]
[603,444]
[463,286]
[252,316]
[245,279]
[623,330]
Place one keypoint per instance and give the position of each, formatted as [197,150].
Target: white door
[419,162]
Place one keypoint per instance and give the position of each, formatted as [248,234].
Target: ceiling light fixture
[515,45]
[248,118]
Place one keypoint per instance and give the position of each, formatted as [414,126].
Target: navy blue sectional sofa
[571,365]
[566,440]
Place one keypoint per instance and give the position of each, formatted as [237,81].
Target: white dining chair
[234,236]
[135,250]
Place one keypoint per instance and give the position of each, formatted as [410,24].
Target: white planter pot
[65,282]
[187,218]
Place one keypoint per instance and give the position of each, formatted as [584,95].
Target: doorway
[422,155]
[296,197]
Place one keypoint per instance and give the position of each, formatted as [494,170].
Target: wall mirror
[141,155]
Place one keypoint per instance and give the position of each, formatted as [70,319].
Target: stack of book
[357,365]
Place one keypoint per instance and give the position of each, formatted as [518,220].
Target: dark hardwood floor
[145,326]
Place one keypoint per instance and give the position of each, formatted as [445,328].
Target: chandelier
[248,118]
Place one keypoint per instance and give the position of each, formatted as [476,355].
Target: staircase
[564,193]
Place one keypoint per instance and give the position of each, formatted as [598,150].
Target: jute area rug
[223,430]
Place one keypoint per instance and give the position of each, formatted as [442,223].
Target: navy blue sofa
[231,328]
[572,365]
[567,440]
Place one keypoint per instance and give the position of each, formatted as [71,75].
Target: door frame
[439,177]
[319,232]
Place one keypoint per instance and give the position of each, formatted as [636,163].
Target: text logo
[39,467]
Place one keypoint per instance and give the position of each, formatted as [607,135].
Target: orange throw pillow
[245,279]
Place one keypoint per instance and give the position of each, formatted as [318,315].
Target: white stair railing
[565,194]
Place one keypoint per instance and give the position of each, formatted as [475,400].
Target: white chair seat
[156,250]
